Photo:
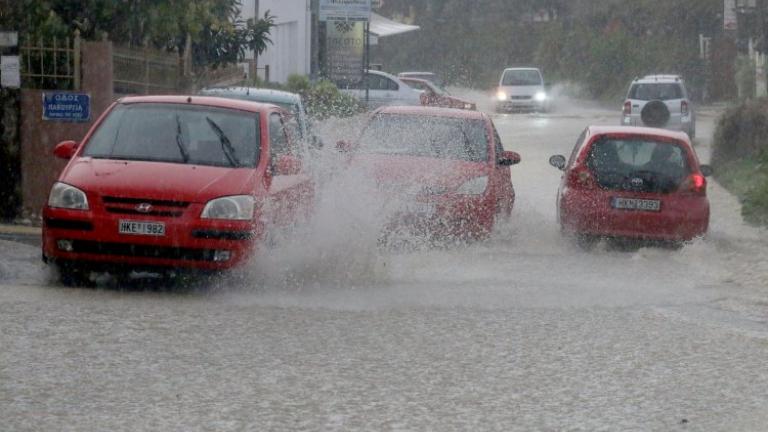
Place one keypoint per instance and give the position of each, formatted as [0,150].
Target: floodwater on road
[523,331]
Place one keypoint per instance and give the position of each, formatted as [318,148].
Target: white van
[522,89]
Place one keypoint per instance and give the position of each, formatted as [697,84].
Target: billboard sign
[344,10]
[345,47]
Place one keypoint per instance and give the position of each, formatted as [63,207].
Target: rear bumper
[682,218]
[75,236]
[676,123]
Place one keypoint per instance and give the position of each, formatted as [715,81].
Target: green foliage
[740,157]
[324,100]
[298,84]
[214,28]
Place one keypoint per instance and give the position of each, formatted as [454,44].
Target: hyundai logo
[144,208]
[636,182]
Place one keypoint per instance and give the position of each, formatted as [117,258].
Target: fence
[50,64]
[145,71]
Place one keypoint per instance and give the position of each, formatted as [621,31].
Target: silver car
[659,101]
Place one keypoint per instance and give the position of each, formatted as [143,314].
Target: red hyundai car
[633,183]
[166,182]
[445,168]
[432,95]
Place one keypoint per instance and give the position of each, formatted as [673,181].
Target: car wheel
[586,242]
[73,275]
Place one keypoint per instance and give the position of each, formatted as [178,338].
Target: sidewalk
[21,233]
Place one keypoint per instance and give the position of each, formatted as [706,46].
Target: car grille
[142,251]
[520,97]
[141,206]
[64,224]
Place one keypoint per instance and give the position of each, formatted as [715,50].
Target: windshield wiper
[226,145]
[180,141]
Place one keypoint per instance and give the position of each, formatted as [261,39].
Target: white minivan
[522,89]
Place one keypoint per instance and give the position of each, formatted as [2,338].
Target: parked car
[173,182]
[635,183]
[291,102]
[446,168]
[660,101]
[433,95]
[522,89]
[428,76]
[383,89]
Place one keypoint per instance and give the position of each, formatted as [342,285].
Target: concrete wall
[291,37]
[39,167]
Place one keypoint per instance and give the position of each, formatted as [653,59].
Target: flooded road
[520,332]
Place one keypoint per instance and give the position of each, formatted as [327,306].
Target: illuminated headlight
[476,186]
[468,106]
[502,96]
[540,97]
[67,197]
[239,207]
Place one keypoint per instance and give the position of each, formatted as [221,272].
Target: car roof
[254,93]
[431,111]
[382,73]
[637,130]
[521,68]
[211,101]
[659,78]
[416,73]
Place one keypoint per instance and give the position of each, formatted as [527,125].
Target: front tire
[73,275]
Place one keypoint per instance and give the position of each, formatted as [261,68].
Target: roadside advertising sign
[345,46]
[344,10]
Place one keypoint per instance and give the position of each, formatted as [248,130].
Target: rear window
[521,78]
[656,91]
[638,164]
[179,134]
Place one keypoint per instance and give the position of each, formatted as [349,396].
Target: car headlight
[502,96]
[239,207]
[476,186]
[468,106]
[67,197]
[540,97]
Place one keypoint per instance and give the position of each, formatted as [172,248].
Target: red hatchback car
[167,182]
[445,168]
[633,183]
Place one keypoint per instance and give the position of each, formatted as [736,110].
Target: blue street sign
[65,106]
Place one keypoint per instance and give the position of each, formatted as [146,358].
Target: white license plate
[636,204]
[142,228]
[419,208]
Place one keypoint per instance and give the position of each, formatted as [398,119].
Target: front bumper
[457,217]
[188,243]
[529,104]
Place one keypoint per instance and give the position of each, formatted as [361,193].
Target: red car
[445,169]
[164,182]
[433,95]
[633,183]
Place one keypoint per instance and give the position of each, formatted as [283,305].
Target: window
[278,140]
[497,138]
[377,82]
[656,91]
[526,77]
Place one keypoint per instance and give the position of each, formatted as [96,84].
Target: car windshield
[418,85]
[179,134]
[638,164]
[527,77]
[656,91]
[426,136]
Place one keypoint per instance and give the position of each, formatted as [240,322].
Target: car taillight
[581,178]
[695,184]
[627,108]
[684,107]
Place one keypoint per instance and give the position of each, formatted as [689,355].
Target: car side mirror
[706,170]
[509,158]
[287,165]
[65,149]
[558,161]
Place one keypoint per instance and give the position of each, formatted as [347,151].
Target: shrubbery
[322,98]
[740,157]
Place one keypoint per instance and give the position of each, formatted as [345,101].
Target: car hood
[157,180]
[522,90]
[414,175]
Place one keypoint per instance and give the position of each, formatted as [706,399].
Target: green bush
[324,100]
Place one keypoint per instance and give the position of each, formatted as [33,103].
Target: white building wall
[291,37]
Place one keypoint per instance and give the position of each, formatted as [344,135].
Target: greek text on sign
[65,106]
[9,72]
[345,10]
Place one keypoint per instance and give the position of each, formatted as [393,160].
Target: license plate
[419,208]
[142,228]
[636,204]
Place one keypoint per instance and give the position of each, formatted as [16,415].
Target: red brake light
[696,184]
[684,107]
[627,108]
